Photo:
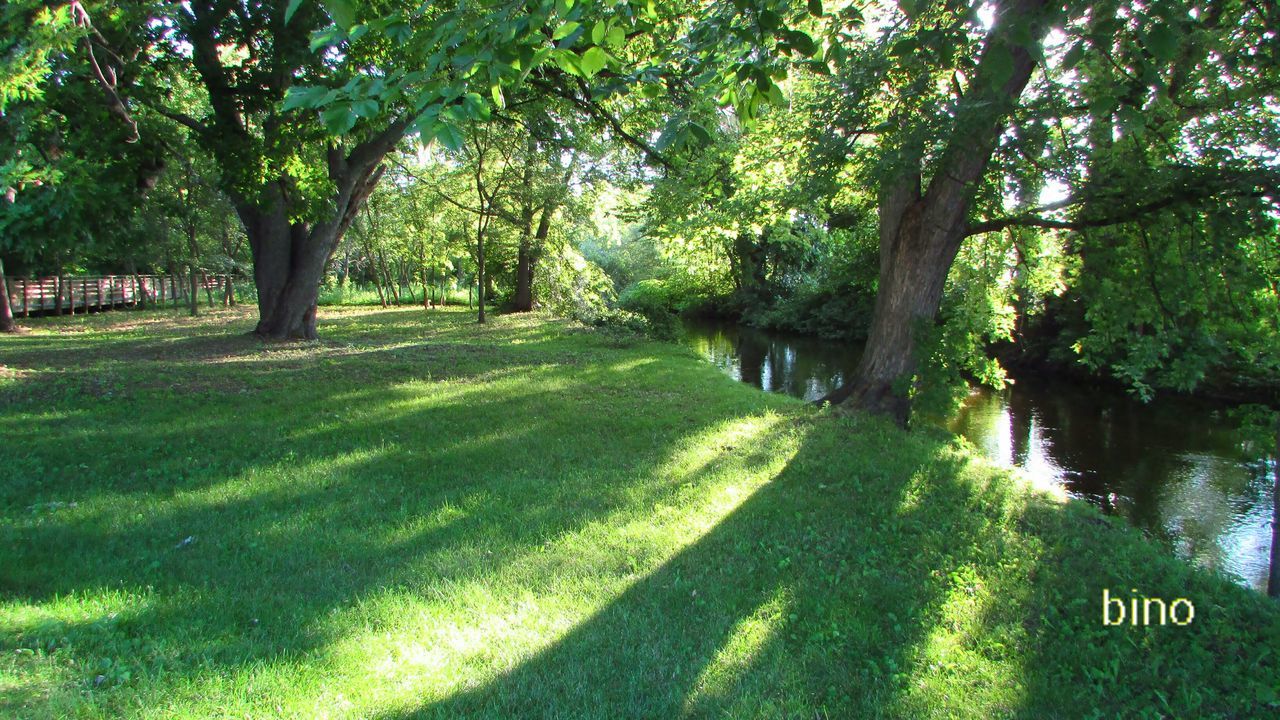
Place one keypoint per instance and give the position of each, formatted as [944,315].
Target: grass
[353,295]
[421,517]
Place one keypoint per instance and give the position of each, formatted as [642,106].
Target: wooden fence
[32,296]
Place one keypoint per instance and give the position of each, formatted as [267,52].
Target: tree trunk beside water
[921,229]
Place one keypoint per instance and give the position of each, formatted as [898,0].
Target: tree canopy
[1092,183]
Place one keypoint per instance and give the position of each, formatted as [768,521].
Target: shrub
[652,300]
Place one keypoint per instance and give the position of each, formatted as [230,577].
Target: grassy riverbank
[422,517]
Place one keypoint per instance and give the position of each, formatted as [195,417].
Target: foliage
[652,300]
[1175,300]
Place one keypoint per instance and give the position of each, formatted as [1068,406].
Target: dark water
[1174,468]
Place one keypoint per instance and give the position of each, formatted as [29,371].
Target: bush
[653,301]
[647,297]
[839,313]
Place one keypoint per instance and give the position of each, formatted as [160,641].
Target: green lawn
[420,517]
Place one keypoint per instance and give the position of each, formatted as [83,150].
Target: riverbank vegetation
[446,532]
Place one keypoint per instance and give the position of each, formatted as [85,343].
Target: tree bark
[194,300]
[289,258]
[921,232]
[527,258]
[6,309]
[480,296]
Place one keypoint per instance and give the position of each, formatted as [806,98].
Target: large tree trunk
[530,252]
[920,233]
[915,257]
[523,301]
[6,309]
[288,264]
[195,294]
[289,258]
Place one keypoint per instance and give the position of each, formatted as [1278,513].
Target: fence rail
[68,294]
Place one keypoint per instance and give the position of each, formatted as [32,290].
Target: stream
[1172,467]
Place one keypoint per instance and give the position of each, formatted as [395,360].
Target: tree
[956,103]
[299,124]
[7,324]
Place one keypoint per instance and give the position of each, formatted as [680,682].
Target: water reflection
[796,365]
[1172,468]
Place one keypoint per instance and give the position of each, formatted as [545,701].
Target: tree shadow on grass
[809,599]
[391,482]
[353,475]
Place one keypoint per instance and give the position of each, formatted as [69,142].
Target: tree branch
[1190,190]
[594,110]
[185,120]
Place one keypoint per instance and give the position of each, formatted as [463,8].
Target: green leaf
[568,61]
[667,138]
[339,119]
[910,8]
[565,30]
[999,66]
[399,32]
[495,90]
[598,32]
[903,47]
[324,38]
[617,36]
[364,107]
[341,12]
[1103,105]
[763,81]
[1162,41]
[302,97]
[593,61]
[449,136]
[700,134]
[475,107]
[815,8]
[527,66]
[802,42]
[1073,57]
[289,11]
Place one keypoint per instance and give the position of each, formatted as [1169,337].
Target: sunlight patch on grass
[39,644]
[418,649]
[716,683]
[419,514]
